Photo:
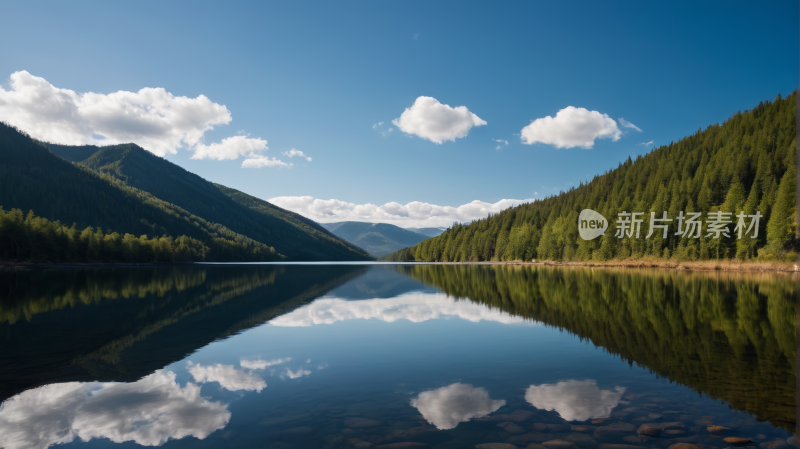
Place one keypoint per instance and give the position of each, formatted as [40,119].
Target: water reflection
[575,400]
[728,335]
[414,307]
[262,364]
[227,376]
[149,412]
[389,339]
[448,406]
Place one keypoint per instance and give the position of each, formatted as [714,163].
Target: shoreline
[700,265]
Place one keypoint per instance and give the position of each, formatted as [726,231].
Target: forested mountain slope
[296,238]
[377,238]
[33,178]
[746,164]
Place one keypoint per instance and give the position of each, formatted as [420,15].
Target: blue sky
[316,77]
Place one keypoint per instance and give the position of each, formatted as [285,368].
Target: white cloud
[497,148]
[429,119]
[230,148]
[628,124]
[295,374]
[448,406]
[228,377]
[647,144]
[152,118]
[416,36]
[414,214]
[377,125]
[414,307]
[262,364]
[255,161]
[575,400]
[501,141]
[149,412]
[293,153]
[571,127]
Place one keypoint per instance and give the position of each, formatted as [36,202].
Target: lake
[396,356]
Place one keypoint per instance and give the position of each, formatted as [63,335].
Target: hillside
[377,238]
[33,178]
[293,236]
[746,164]
[430,232]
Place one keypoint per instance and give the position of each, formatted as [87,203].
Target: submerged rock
[674,432]
[672,426]
[495,446]
[637,439]
[777,443]
[649,430]
[581,439]
[559,444]
[528,438]
[737,441]
[683,446]
[620,428]
[718,429]
[510,427]
[520,415]
[579,429]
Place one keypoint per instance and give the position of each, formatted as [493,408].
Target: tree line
[746,164]
[27,237]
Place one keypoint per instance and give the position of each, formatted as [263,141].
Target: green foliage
[728,335]
[33,178]
[32,238]
[747,163]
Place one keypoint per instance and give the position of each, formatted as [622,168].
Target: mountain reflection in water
[345,356]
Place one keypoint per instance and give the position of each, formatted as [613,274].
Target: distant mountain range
[126,189]
[430,232]
[379,238]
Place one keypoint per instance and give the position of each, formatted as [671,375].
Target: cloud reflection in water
[149,412]
[575,400]
[228,377]
[448,406]
[416,307]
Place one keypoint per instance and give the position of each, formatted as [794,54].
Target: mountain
[430,232]
[746,164]
[34,178]
[377,238]
[290,234]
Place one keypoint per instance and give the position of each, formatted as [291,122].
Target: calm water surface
[395,356]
